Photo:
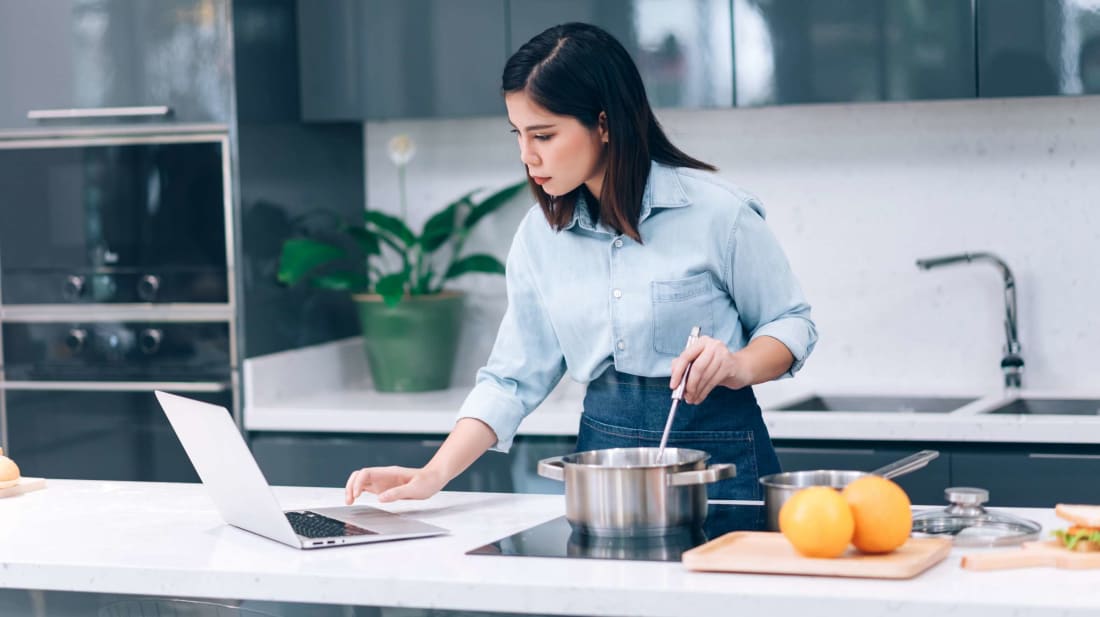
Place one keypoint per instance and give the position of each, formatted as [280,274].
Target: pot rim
[704,458]
[773,480]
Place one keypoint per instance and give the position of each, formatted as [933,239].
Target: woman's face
[560,153]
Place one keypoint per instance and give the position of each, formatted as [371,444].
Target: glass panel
[816,51]
[684,52]
[111,216]
[115,53]
[682,47]
[432,58]
[1038,47]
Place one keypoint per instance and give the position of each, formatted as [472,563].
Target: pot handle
[713,473]
[552,468]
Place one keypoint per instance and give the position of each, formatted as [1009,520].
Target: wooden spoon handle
[1008,560]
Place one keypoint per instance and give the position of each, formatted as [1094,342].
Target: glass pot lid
[972,525]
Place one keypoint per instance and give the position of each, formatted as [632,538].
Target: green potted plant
[410,320]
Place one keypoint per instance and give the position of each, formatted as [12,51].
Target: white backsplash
[855,194]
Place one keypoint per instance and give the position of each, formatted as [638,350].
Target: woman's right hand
[393,483]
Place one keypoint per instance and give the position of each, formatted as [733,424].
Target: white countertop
[322,389]
[167,539]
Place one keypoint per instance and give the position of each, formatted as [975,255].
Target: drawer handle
[1082,457]
[117,386]
[783,450]
[98,112]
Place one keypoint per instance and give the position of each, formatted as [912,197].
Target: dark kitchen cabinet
[924,486]
[683,49]
[1038,47]
[1038,478]
[313,459]
[824,51]
[378,59]
[97,433]
[66,54]
[326,460]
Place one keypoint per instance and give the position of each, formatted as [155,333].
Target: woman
[631,244]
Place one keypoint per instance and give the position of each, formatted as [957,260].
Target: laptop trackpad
[376,520]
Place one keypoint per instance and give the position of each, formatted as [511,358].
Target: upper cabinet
[96,56]
[381,59]
[683,49]
[1038,47]
[823,51]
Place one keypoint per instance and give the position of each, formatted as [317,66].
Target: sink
[1050,406]
[860,403]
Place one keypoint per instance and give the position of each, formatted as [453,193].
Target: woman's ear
[602,126]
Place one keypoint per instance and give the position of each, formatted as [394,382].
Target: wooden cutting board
[764,552]
[23,485]
[1031,555]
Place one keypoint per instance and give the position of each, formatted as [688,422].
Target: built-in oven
[116,280]
[126,219]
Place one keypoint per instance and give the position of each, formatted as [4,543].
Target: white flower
[401,149]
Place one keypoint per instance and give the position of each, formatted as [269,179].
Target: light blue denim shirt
[584,298]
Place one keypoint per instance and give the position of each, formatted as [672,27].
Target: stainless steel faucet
[1012,364]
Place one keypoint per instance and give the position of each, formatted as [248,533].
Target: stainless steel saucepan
[633,492]
[779,487]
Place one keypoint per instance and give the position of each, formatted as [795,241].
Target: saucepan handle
[714,473]
[552,468]
[906,465]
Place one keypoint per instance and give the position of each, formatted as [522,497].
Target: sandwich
[1084,534]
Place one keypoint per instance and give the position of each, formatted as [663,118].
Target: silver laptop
[244,499]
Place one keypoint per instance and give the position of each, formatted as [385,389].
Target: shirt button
[618,244]
[621,345]
[618,293]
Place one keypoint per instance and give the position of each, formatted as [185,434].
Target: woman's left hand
[714,365]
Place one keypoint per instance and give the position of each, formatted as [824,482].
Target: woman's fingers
[375,480]
[681,362]
[699,381]
[348,496]
[702,370]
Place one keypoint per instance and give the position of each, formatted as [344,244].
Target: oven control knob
[74,340]
[149,340]
[147,287]
[73,287]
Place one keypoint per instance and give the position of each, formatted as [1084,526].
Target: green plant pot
[411,347]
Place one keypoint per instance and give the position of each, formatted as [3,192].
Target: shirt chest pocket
[677,306]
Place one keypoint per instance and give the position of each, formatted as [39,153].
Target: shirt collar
[662,190]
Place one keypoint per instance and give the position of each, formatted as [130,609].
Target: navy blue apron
[626,411]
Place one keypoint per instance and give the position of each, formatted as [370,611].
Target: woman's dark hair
[580,70]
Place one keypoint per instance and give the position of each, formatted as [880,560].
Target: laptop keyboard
[313,525]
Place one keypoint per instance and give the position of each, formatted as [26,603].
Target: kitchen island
[161,539]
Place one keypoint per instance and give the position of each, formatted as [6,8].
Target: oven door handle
[118,386]
[98,112]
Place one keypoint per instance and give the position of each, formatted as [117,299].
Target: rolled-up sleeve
[526,362]
[765,291]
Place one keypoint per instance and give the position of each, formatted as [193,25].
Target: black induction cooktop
[556,538]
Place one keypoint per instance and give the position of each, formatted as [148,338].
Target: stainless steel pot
[626,492]
[779,487]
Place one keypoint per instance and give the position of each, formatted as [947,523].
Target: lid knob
[966,495]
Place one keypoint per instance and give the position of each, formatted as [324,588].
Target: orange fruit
[817,522]
[882,514]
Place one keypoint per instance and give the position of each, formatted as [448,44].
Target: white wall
[856,193]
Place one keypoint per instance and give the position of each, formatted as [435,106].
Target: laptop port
[332,542]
